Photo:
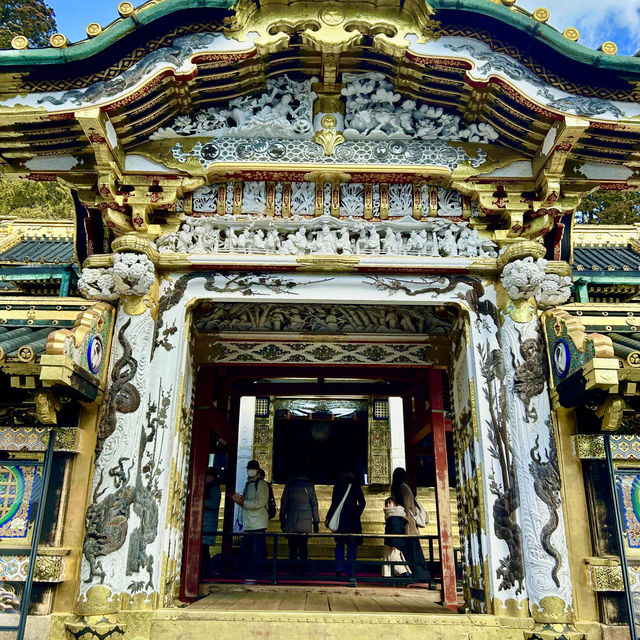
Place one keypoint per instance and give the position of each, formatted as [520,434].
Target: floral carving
[131,274]
[525,278]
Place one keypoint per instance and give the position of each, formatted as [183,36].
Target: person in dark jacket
[212,497]
[349,521]
[298,515]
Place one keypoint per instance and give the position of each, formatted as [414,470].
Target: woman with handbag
[416,516]
[347,505]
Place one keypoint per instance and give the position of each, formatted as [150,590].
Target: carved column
[134,522]
[262,436]
[491,535]
[123,513]
[379,442]
[525,286]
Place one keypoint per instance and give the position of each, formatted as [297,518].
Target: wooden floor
[322,600]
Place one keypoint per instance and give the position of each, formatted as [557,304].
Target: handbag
[420,517]
[334,523]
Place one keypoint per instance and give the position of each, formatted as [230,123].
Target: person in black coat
[349,521]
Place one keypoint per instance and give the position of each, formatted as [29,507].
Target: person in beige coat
[403,497]
[255,518]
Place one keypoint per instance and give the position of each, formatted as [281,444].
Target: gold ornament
[571,33]
[610,48]
[19,42]
[541,14]
[93,29]
[126,9]
[58,40]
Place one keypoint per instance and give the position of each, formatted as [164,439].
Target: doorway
[320,439]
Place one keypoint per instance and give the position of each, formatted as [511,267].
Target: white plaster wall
[246,423]
[396,423]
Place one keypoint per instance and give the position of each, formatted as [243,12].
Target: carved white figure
[301,242]
[288,247]
[298,235]
[98,284]
[243,242]
[258,243]
[391,244]
[133,273]
[413,244]
[185,238]
[447,245]
[468,242]
[326,241]
[554,290]
[374,110]
[272,241]
[373,242]
[487,248]
[521,278]
[212,241]
[282,111]
[343,243]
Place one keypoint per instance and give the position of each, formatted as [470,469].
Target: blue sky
[597,20]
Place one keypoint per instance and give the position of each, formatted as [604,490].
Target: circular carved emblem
[93,29]
[332,16]
[329,121]
[95,354]
[561,358]
[19,42]
[571,34]
[633,359]
[609,47]
[58,40]
[541,14]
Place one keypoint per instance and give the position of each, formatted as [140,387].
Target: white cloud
[597,20]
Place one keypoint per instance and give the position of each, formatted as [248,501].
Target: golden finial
[58,40]
[93,29]
[126,9]
[541,14]
[609,47]
[571,33]
[19,42]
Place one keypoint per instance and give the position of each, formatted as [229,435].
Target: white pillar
[246,423]
[396,425]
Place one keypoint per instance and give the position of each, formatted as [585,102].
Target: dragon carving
[122,396]
[530,374]
[546,483]
[107,521]
[511,569]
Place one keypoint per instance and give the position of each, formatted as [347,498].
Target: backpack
[272,508]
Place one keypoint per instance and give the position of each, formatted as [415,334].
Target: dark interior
[321,445]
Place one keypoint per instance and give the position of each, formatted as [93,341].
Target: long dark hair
[398,478]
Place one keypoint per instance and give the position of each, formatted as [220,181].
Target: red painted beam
[443,508]
[192,557]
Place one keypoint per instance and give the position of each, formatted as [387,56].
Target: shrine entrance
[364,398]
